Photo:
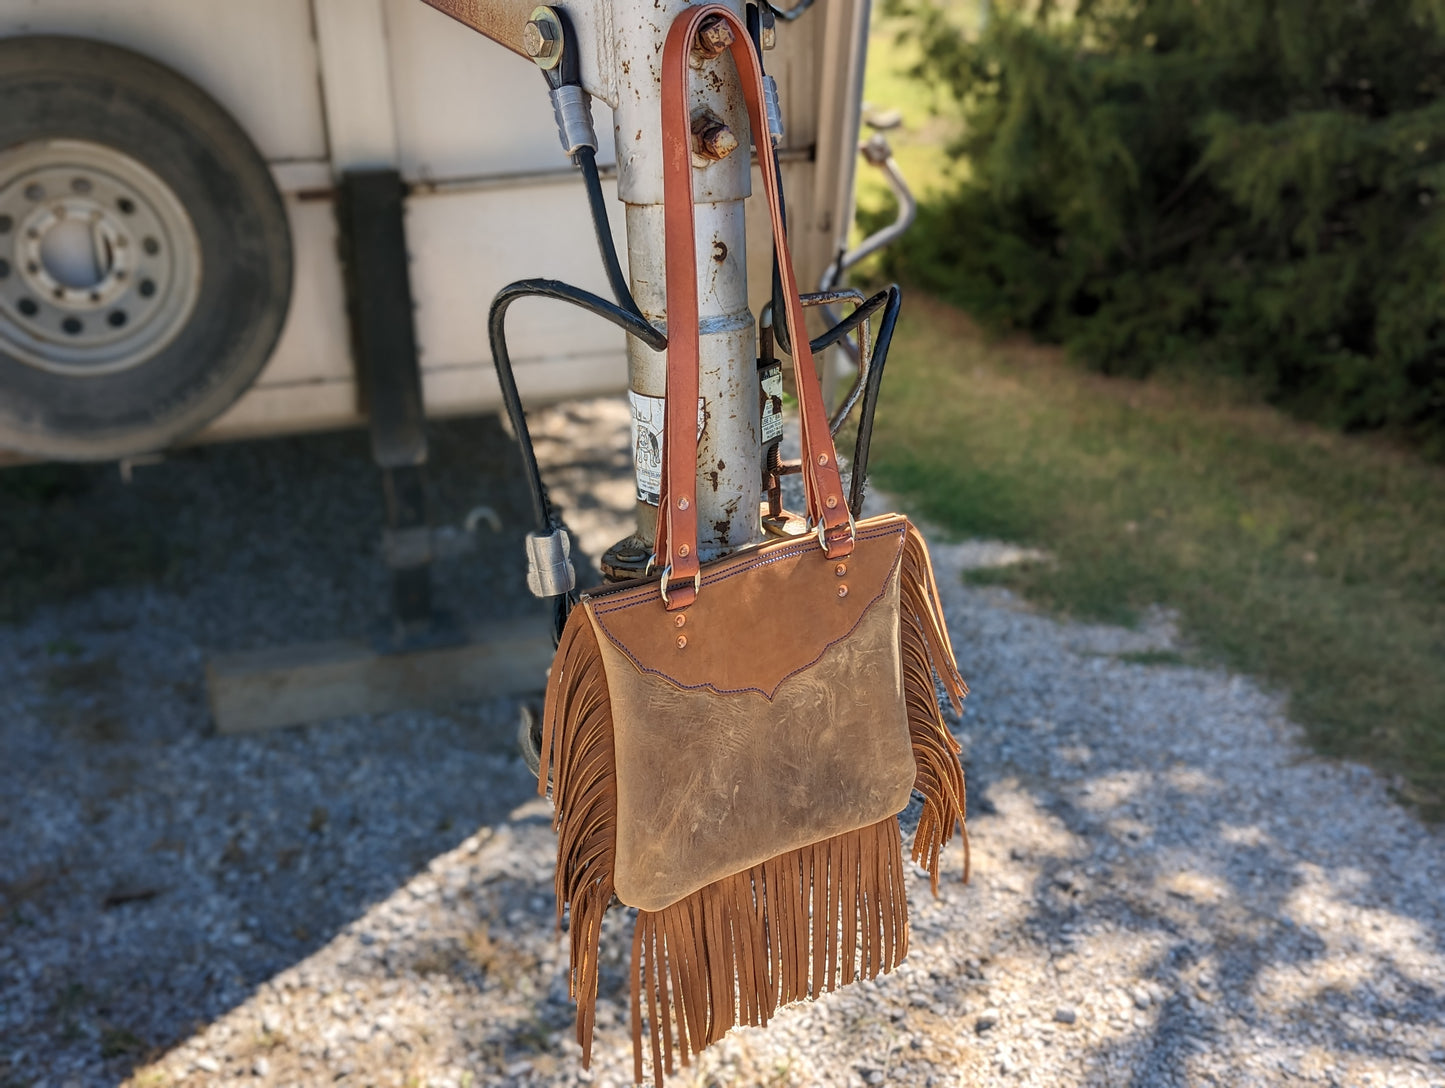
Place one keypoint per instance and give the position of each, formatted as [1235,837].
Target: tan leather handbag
[729,744]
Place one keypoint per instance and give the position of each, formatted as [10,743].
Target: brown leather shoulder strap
[677,520]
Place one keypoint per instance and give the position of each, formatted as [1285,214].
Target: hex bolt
[711,137]
[714,38]
[768,27]
[539,39]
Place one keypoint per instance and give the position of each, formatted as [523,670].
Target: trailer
[191,193]
[228,221]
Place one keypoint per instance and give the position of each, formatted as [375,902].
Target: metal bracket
[864,356]
[549,564]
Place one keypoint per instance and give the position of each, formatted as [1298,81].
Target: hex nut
[539,39]
[711,137]
[714,38]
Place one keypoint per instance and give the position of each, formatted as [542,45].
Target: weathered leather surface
[711,783]
[761,616]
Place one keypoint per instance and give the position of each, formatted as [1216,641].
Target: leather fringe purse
[729,744]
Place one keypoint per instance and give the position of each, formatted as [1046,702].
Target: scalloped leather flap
[761,616]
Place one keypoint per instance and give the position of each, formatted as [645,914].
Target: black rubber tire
[73,88]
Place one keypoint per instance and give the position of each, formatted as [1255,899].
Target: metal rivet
[683,550]
[682,504]
[832,502]
[841,569]
[822,458]
[679,620]
[682,642]
[842,591]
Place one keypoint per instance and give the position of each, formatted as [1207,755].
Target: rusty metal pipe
[730,450]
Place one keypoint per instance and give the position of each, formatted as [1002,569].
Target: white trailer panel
[257,58]
[324,86]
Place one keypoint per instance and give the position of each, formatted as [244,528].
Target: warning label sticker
[772,403]
[647,425]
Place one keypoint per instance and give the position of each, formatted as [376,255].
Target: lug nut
[714,38]
[711,138]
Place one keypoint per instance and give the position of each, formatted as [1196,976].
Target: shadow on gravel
[1166,891]
[153,873]
[1225,937]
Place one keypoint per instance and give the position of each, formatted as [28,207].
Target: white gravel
[1169,889]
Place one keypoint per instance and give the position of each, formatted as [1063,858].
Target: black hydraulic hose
[793,12]
[780,328]
[565,74]
[506,379]
[586,160]
[570,68]
[547,521]
[870,399]
[864,311]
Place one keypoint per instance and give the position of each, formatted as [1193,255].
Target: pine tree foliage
[1245,184]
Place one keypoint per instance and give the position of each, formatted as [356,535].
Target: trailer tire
[145,254]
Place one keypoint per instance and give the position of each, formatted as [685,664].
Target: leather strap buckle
[663,584]
[833,550]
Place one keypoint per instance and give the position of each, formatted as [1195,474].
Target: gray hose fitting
[572,106]
[549,564]
[773,108]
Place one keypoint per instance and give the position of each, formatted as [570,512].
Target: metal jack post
[730,447]
[621,50]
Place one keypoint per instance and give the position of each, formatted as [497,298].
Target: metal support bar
[504,21]
[380,300]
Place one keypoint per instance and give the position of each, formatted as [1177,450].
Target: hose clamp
[572,106]
[549,564]
[774,110]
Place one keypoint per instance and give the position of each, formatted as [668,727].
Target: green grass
[1313,560]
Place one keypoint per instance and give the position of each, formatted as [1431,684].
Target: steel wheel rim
[100,265]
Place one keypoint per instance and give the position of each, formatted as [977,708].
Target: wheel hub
[99,263]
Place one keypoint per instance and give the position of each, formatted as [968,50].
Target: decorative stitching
[901,529]
[616,600]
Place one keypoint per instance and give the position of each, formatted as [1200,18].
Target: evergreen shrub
[1247,185]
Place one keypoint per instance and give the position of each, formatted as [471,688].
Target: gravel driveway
[1168,889]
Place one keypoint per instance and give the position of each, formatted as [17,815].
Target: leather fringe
[926,651]
[792,928]
[577,752]
[796,926]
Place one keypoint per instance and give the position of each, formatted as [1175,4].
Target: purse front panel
[711,783]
